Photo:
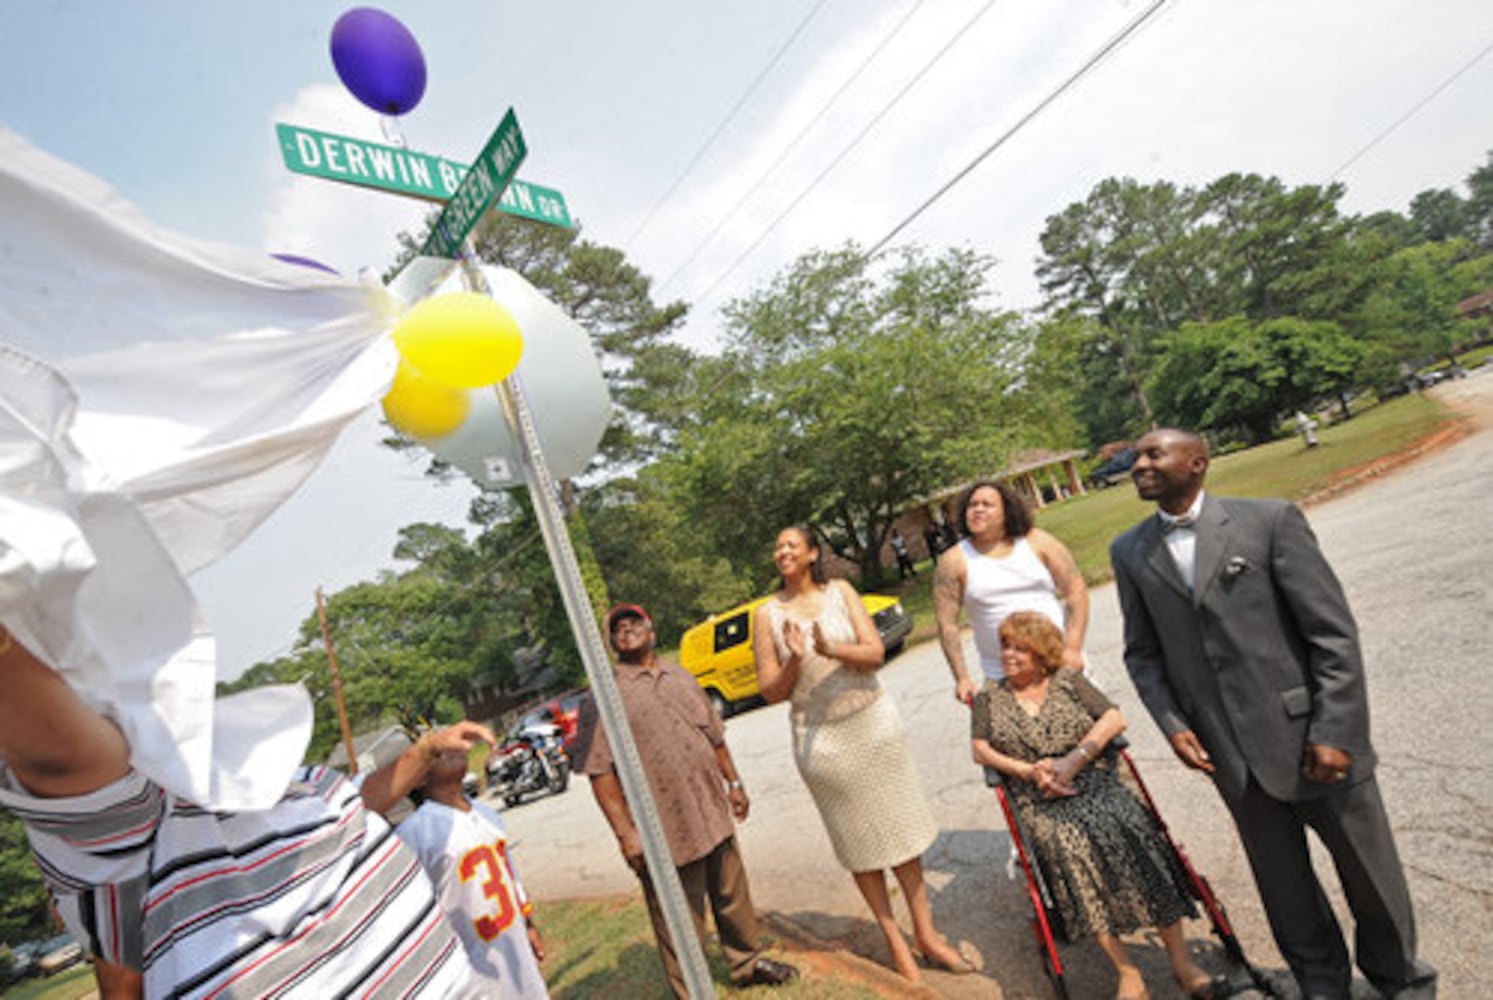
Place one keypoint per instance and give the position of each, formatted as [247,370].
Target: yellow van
[718,651]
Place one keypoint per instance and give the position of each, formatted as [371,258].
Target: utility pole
[326,638]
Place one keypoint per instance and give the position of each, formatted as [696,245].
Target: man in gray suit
[1241,644]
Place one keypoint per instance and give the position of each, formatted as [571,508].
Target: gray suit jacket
[1260,659]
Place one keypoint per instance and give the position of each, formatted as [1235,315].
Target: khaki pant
[720,877]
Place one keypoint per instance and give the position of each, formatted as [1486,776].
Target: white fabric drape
[159,398]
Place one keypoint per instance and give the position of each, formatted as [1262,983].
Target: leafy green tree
[24,914]
[1238,377]
[1140,260]
[1440,214]
[403,657]
[850,388]
[651,555]
[1480,205]
[1071,358]
[1397,230]
[1268,243]
[1412,313]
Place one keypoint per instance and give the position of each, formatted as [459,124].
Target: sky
[716,143]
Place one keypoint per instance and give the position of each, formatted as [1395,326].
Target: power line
[1414,110]
[730,116]
[916,78]
[720,223]
[1104,51]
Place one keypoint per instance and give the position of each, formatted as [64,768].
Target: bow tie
[1170,524]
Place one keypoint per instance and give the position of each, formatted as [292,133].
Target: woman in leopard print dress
[1110,869]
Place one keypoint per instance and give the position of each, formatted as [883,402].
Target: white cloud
[347,228]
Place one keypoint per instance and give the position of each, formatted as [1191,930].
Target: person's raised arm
[948,595]
[1072,592]
[53,743]
[383,789]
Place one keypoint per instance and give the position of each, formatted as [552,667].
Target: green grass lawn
[604,948]
[68,984]
[1284,468]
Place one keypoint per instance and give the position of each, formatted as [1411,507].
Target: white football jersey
[466,855]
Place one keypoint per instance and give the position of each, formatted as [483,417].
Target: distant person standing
[1307,428]
[1241,644]
[682,744]
[950,532]
[1004,564]
[933,537]
[905,567]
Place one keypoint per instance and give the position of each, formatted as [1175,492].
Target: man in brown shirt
[682,743]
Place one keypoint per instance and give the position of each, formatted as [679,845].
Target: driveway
[1415,552]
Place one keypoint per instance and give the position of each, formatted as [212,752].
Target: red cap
[625,611]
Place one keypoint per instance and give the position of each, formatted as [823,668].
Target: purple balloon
[378,60]
[291,258]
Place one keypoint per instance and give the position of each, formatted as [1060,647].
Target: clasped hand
[798,642]
[1054,778]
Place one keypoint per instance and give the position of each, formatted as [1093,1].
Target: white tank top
[995,587]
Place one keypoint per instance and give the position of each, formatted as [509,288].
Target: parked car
[58,953]
[1115,470]
[718,651]
[1435,376]
[563,711]
[23,960]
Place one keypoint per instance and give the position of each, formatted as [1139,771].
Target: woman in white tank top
[1004,564]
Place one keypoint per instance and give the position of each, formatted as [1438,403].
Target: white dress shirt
[1182,538]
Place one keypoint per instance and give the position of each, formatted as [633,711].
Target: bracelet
[735,786]
[1083,752]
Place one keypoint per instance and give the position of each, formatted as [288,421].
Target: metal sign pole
[598,666]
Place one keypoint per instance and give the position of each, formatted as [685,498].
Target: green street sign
[490,174]
[404,171]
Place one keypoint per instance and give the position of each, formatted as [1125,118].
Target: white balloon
[562,381]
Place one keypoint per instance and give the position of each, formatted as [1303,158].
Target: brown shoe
[766,972]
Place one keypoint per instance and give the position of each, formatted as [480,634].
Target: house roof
[1482,302]
[1022,462]
[381,746]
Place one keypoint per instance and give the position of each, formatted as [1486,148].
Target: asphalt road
[1415,552]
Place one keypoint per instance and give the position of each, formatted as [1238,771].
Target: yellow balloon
[423,407]
[463,339]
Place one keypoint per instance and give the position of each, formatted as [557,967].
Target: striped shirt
[314,897]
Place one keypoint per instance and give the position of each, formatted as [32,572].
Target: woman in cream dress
[816,646]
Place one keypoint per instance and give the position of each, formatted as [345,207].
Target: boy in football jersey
[463,847]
